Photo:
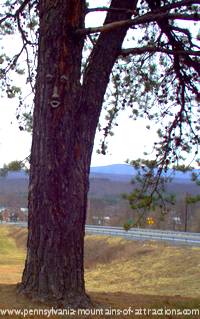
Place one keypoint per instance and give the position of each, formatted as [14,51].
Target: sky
[130,141]
[14,144]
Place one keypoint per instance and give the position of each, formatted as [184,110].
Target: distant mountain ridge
[120,169]
[113,172]
[17,175]
[128,171]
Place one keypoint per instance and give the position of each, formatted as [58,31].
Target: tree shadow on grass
[135,300]
[9,299]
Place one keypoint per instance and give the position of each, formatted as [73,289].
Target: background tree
[160,70]
[189,199]
[14,166]
[150,195]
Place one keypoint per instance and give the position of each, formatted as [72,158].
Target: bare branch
[145,49]
[22,7]
[29,70]
[23,34]
[148,17]
[103,9]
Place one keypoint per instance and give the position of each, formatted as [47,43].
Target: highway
[174,237]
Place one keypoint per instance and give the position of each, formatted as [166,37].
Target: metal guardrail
[140,234]
[149,230]
[148,234]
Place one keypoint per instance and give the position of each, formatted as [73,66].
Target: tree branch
[17,12]
[148,17]
[161,9]
[176,5]
[103,9]
[145,49]
[102,59]
[22,7]
[7,16]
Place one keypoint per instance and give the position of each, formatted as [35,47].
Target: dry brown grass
[142,267]
[119,273]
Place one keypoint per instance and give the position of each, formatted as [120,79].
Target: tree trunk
[65,118]
[59,172]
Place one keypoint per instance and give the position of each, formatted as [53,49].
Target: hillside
[152,275]
[123,172]
[104,180]
[106,203]
[126,172]
[13,190]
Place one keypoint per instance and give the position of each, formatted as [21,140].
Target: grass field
[119,274]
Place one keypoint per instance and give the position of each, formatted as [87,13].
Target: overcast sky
[128,142]
[131,138]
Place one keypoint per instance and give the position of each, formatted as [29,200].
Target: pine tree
[161,69]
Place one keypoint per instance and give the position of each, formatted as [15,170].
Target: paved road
[142,234]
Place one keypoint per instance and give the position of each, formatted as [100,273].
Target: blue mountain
[119,169]
[128,170]
[114,172]
[17,175]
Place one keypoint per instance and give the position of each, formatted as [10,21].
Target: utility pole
[186,212]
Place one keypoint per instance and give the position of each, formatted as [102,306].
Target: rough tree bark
[66,115]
